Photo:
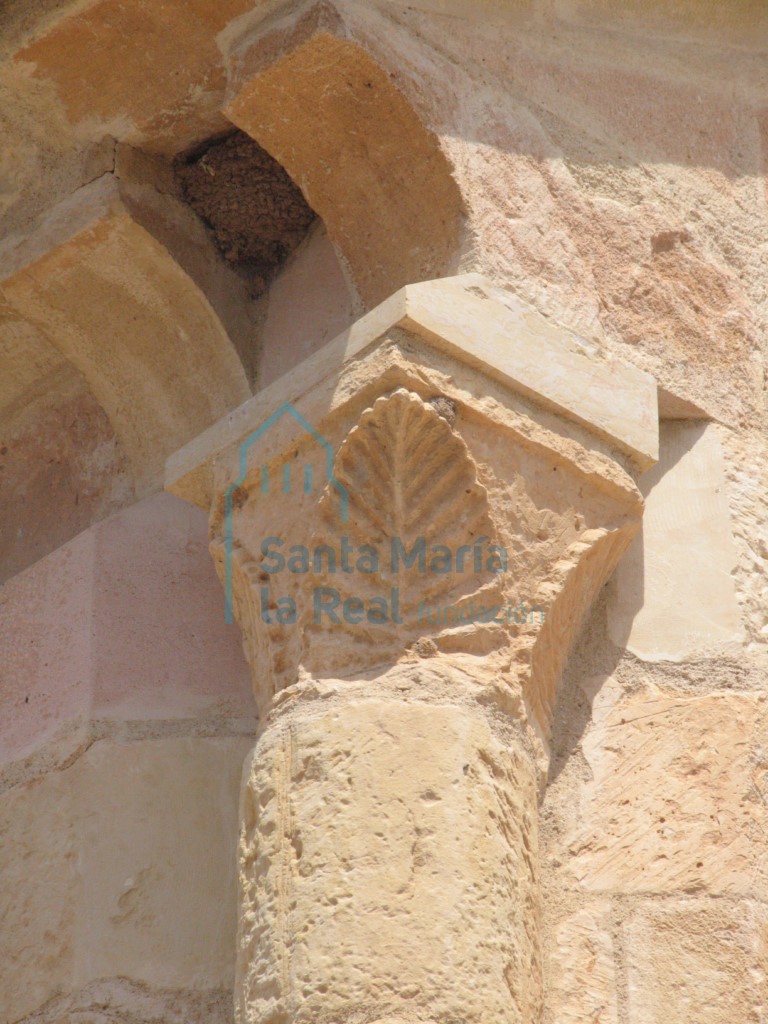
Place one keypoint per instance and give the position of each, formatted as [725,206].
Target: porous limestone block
[676,796]
[388,863]
[697,960]
[582,982]
[157,827]
[673,594]
[39,882]
[121,866]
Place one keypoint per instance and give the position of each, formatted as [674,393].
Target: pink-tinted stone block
[46,636]
[162,648]
[126,621]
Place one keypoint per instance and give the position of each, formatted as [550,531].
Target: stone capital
[410,528]
[451,479]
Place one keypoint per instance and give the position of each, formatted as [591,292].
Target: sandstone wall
[610,160]
[655,816]
[127,714]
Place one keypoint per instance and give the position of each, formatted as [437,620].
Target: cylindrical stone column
[388,864]
[409,549]
[388,856]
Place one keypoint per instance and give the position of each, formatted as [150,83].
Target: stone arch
[118,307]
[334,118]
[121,277]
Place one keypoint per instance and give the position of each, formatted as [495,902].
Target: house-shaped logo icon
[285,479]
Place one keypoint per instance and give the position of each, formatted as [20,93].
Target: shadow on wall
[672,597]
[61,469]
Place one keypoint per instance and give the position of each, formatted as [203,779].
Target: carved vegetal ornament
[415,535]
[407,612]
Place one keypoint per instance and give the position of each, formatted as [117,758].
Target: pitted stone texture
[523,463]
[563,529]
[121,865]
[677,796]
[388,865]
[643,237]
[697,960]
[673,594]
[582,972]
[360,893]
[111,1000]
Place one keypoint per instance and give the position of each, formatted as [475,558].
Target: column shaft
[388,868]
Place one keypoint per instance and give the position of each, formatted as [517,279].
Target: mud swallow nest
[256,214]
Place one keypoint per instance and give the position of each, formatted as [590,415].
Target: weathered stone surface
[584,185]
[697,960]
[561,536]
[582,974]
[107,1000]
[157,901]
[316,99]
[673,595]
[336,915]
[495,330]
[38,893]
[609,162]
[153,75]
[157,318]
[387,865]
[61,469]
[125,622]
[676,798]
[478,327]
[121,865]
[642,236]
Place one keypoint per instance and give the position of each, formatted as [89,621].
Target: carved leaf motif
[412,485]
